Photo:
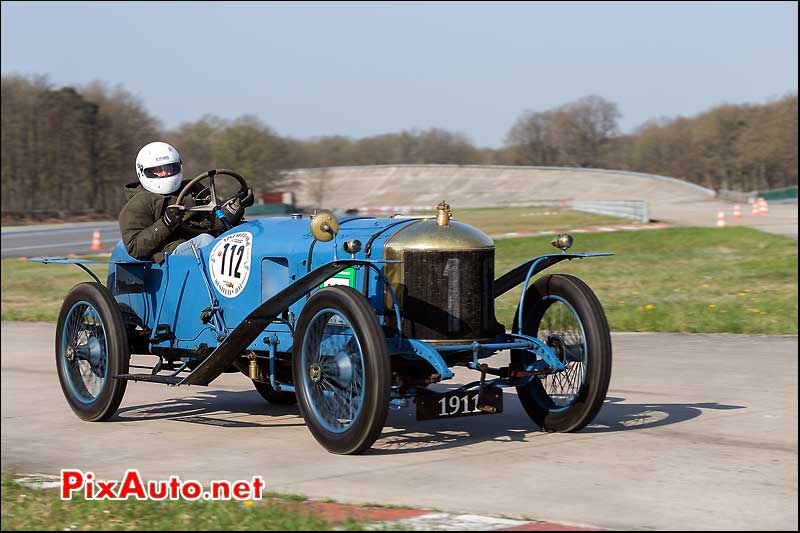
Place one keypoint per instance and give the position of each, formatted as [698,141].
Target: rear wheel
[273,396]
[562,311]
[341,370]
[91,348]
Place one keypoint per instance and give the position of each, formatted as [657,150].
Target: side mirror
[324,226]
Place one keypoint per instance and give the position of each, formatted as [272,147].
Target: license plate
[431,405]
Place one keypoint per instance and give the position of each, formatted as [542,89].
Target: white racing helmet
[159,168]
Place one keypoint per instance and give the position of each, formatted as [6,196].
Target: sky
[366,68]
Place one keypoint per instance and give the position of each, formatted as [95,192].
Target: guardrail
[633,209]
[775,196]
[785,195]
[268,209]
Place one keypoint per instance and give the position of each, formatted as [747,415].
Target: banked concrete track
[669,199]
[482,185]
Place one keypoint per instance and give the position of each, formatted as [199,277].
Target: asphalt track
[56,239]
[698,432]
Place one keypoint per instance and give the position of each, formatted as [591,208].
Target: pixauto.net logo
[84,484]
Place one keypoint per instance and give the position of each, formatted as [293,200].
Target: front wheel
[562,311]
[341,370]
[91,348]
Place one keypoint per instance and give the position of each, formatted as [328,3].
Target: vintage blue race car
[346,317]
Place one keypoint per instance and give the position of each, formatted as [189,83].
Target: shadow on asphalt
[619,416]
[214,408]
[403,433]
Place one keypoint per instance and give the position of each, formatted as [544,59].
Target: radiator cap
[443,214]
[439,233]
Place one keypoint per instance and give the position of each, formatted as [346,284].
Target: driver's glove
[248,200]
[234,210]
[173,215]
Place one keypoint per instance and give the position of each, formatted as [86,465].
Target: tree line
[72,148]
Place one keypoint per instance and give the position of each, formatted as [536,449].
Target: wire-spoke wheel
[563,312]
[341,370]
[91,348]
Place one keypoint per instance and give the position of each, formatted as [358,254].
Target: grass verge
[35,291]
[25,508]
[701,280]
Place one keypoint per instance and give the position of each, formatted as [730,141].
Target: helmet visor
[163,171]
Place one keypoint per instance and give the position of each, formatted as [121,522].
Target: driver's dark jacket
[143,230]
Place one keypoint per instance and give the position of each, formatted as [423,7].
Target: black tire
[374,367]
[85,404]
[589,397]
[273,396]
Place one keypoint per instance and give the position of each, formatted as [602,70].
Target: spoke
[332,345]
[559,321]
[568,375]
[214,197]
[75,320]
[70,327]
[87,377]
[339,403]
[328,385]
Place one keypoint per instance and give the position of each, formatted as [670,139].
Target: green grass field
[34,291]
[493,220]
[24,508]
[734,280]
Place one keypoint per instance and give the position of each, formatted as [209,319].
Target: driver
[150,222]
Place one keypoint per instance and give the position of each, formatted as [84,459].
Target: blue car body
[174,293]
[180,315]
[420,301]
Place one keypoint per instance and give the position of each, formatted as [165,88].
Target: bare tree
[72,149]
[582,128]
[531,139]
[573,134]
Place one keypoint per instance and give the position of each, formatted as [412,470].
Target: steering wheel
[214,201]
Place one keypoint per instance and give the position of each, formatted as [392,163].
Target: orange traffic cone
[737,211]
[763,208]
[96,244]
[720,218]
[755,211]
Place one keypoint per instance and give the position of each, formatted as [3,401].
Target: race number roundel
[230,263]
